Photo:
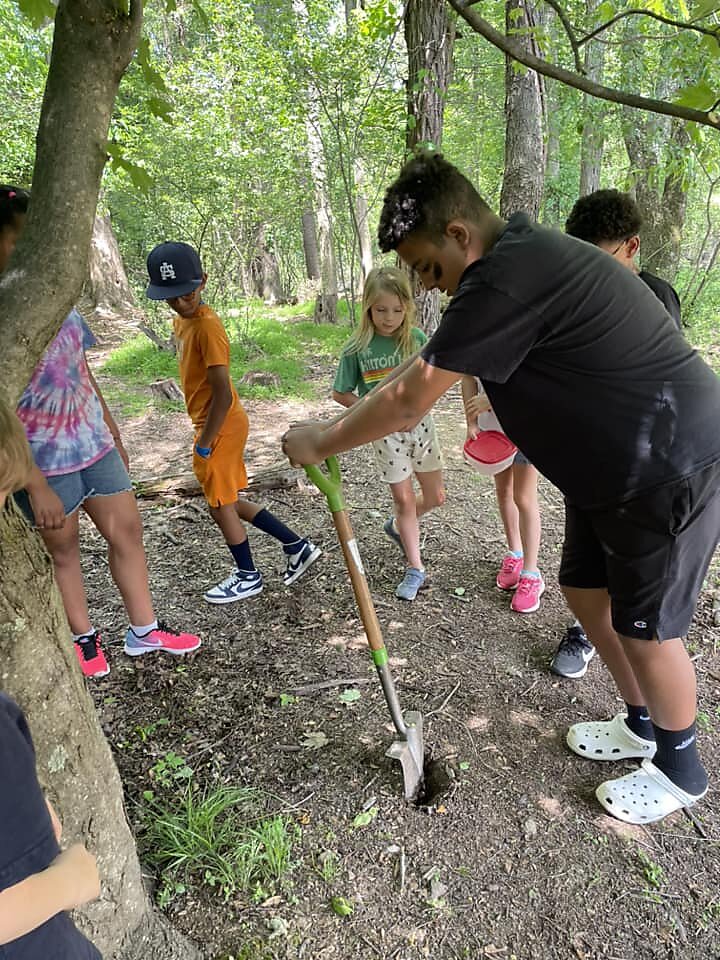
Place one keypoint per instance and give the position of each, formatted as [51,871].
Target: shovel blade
[411,754]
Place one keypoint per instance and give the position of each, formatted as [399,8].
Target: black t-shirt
[28,844]
[584,368]
[666,294]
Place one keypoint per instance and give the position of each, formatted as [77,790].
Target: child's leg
[509,513]
[525,495]
[432,492]
[118,520]
[64,547]
[407,520]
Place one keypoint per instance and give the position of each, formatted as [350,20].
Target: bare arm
[46,505]
[396,404]
[347,399]
[109,418]
[70,880]
[219,380]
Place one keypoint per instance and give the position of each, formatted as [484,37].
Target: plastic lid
[490,452]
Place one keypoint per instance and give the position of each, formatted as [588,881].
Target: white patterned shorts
[400,455]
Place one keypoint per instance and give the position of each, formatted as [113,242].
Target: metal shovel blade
[411,754]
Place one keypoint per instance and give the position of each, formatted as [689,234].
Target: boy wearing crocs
[220,422]
[575,355]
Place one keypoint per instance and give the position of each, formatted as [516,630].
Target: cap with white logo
[174,269]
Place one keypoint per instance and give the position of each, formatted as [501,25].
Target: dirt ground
[514,859]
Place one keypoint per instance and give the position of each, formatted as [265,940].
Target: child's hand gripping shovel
[409,749]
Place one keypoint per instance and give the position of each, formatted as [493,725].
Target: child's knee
[435,498]
[404,500]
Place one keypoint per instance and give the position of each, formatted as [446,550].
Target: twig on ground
[695,822]
[314,687]
[402,867]
[445,702]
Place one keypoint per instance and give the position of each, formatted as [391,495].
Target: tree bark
[310,247]
[75,766]
[264,269]
[93,43]
[591,147]
[524,178]
[362,220]
[430,38]
[107,296]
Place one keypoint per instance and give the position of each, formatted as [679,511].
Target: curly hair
[428,193]
[604,216]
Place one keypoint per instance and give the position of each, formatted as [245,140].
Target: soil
[513,857]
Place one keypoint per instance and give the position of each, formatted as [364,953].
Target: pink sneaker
[528,593]
[162,638]
[509,573]
[91,657]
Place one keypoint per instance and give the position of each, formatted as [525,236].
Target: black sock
[678,759]
[638,720]
[242,556]
[269,523]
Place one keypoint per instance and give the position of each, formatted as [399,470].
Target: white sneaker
[298,563]
[238,586]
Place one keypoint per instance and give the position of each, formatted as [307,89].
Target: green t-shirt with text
[359,372]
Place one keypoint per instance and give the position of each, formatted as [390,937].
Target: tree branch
[635,12]
[570,33]
[706,117]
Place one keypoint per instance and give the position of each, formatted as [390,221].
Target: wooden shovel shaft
[359,582]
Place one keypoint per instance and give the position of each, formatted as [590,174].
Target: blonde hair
[15,458]
[382,280]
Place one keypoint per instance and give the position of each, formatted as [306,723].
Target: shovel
[409,748]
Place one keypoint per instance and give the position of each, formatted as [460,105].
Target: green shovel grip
[328,483]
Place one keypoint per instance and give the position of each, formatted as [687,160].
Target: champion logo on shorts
[640,624]
[685,743]
[167,271]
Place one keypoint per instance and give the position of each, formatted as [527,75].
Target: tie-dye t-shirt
[60,411]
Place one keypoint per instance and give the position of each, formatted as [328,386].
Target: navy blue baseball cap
[174,269]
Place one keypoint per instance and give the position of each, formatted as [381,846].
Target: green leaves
[139,177]
[365,818]
[342,906]
[37,11]
[349,696]
[698,96]
[704,8]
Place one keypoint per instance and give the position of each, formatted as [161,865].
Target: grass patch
[217,837]
[261,338]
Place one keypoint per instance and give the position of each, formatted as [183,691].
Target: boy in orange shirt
[220,422]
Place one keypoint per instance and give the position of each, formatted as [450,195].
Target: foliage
[259,340]
[217,836]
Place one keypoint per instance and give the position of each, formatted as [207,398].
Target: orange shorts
[223,474]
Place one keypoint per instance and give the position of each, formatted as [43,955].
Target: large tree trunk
[75,766]
[430,38]
[362,220]
[658,157]
[524,178]
[264,269]
[93,43]
[107,297]
[591,146]
[327,297]
[310,247]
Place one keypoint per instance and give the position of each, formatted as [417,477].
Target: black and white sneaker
[573,654]
[298,563]
[238,586]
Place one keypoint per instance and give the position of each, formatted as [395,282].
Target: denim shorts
[104,478]
[521,460]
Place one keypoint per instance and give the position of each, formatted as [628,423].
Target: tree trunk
[658,158]
[524,177]
[362,220]
[264,270]
[93,43]
[310,247]
[591,147]
[107,296]
[430,38]
[327,297]
[75,766]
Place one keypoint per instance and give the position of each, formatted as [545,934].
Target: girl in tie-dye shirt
[80,462]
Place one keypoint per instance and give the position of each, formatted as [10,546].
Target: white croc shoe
[608,740]
[644,796]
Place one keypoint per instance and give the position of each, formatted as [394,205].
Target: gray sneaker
[391,530]
[573,654]
[412,582]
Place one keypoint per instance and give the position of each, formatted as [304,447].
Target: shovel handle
[328,483]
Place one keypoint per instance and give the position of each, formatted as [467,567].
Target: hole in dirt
[436,784]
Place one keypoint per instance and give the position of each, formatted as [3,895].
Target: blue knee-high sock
[269,523]
[242,556]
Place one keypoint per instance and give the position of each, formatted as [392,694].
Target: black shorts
[651,553]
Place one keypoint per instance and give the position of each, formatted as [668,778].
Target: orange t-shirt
[202,343]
